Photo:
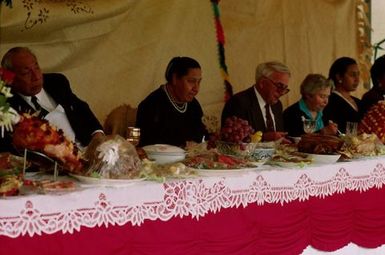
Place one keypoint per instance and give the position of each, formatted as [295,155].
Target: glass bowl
[251,151]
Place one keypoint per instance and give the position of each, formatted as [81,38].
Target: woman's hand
[274,136]
[330,129]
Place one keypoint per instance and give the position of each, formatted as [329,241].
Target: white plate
[256,164]
[221,172]
[324,159]
[361,158]
[104,181]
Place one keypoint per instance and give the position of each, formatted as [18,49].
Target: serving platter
[222,172]
[324,159]
[361,158]
[290,164]
[104,181]
[233,171]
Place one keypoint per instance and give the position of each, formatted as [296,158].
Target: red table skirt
[326,224]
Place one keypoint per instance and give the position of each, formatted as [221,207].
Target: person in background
[49,95]
[377,92]
[342,106]
[315,91]
[171,114]
[260,104]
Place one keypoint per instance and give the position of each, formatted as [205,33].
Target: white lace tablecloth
[96,206]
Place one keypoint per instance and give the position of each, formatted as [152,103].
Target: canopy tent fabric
[306,35]
[116,51]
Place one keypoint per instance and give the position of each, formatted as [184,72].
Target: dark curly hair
[377,71]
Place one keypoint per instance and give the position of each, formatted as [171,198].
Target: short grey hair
[6,61]
[268,68]
[315,82]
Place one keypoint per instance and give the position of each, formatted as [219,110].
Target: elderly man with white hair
[260,104]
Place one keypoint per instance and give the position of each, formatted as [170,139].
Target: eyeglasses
[282,88]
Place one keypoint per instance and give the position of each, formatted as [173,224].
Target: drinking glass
[351,128]
[133,135]
[309,126]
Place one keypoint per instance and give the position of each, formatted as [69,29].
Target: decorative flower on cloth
[8,116]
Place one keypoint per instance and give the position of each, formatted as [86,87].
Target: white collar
[261,101]
[262,104]
[45,100]
[346,100]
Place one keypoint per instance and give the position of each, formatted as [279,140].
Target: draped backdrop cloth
[116,51]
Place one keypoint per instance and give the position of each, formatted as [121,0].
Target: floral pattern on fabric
[194,198]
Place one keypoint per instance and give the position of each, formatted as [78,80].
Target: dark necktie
[42,112]
[269,119]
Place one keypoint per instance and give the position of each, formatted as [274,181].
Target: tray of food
[99,181]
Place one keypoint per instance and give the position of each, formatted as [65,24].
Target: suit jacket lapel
[258,114]
[256,111]
[277,111]
[19,104]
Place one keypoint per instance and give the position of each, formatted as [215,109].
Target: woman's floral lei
[8,116]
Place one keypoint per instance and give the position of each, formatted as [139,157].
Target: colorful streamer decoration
[221,50]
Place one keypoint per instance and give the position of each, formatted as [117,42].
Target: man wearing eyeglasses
[260,104]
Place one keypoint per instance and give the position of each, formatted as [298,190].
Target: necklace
[180,108]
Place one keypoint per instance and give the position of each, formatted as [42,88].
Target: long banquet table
[271,210]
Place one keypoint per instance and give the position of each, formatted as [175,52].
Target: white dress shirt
[56,115]
[262,104]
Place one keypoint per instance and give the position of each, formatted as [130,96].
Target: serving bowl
[164,153]
[251,151]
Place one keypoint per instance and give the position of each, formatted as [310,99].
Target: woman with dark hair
[342,106]
[377,92]
[171,114]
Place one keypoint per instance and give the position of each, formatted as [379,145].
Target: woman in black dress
[171,114]
[342,106]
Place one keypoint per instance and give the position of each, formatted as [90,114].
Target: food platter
[360,158]
[290,159]
[324,159]
[222,172]
[289,164]
[39,182]
[105,182]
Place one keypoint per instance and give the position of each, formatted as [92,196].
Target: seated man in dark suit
[260,104]
[51,96]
